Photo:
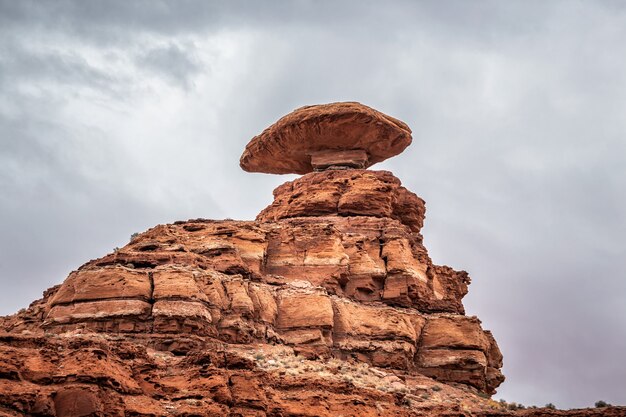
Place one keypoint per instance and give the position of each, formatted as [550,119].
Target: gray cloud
[120,115]
[172,62]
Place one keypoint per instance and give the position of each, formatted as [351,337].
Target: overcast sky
[116,116]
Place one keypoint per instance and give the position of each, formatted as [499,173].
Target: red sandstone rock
[324,256]
[328,304]
[297,281]
[104,284]
[323,160]
[344,134]
[217,379]
[309,271]
[346,193]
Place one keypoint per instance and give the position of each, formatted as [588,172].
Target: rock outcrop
[327,304]
[352,287]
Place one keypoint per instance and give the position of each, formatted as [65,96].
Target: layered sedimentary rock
[80,373]
[327,304]
[348,193]
[359,286]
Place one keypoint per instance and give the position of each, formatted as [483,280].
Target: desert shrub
[402,390]
[550,406]
[600,404]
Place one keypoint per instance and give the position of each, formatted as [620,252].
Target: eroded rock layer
[347,193]
[81,373]
[345,282]
[328,304]
[334,286]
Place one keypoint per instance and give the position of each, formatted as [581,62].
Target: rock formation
[348,135]
[327,304]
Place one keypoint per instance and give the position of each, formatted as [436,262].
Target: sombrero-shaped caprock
[335,135]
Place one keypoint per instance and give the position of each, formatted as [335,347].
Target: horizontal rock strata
[358,287]
[87,374]
[347,193]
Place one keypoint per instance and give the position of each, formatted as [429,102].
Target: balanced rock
[335,135]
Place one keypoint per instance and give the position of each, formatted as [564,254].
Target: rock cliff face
[327,304]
